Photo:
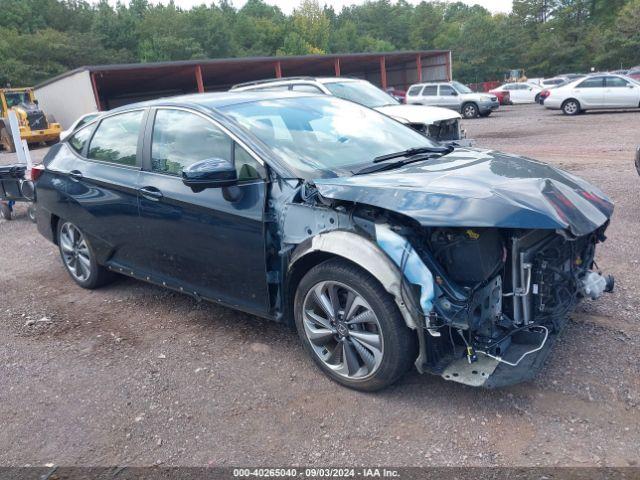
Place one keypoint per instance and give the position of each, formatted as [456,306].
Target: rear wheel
[571,107]
[6,140]
[351,327]
[79,258]
[469,110]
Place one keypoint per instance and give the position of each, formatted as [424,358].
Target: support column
[336,66]
[419,67]
[199,81]
[449,73]
[278,70]
[383,73]
[96,95]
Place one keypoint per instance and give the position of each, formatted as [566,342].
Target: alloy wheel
[343,330]
[470,111]
[571,108]
[75,252]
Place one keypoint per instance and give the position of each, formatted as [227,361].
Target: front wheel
[470,110]
[79,258]
[31,213]
[351,327]
[571,107]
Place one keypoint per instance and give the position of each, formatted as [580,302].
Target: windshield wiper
[379,167]
[414,151]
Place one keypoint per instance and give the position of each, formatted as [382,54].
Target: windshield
[461,88]
[324,136]
[16,98]
[363,93]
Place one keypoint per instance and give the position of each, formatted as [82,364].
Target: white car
[440,124]
[554,82]
[523,92]
[84,119]
[595,92]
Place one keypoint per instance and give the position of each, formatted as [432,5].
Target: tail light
[35,172]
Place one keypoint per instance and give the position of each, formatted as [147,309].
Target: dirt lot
[131,374]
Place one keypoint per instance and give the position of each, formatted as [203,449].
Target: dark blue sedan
[383,248]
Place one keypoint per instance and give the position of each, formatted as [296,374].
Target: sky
[287,6]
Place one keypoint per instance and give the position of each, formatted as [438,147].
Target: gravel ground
[131,374]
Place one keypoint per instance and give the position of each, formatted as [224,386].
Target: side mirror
[209,173]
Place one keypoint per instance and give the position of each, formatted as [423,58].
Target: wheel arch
[571,99]
[359,251]
[469,102]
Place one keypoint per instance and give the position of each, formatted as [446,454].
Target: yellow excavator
[515,75]
[35,126]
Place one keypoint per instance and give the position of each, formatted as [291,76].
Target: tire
[7,141]
[366,355]
[5,211]
[485,114]
[470,110]
[79,258]
[31,213]
[571,107]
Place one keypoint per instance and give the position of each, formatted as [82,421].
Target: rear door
[619,93]
[590,92]
[101,184]
[429,95]
[211,242]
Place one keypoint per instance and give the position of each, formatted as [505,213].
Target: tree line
[43,38]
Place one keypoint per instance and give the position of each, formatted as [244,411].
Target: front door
[210,242]
[448,97]
[620,93]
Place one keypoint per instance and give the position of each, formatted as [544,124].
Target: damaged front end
[487,302]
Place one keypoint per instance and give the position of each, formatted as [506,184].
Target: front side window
[447,91]
[80,139]
[181,139]
[322,136]
[592,83]
[616,82]
[430,91]
[116,139]
[361,92]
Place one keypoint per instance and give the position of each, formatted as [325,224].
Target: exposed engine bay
[502,294]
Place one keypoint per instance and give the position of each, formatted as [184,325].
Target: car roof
[216,100]
[269,81]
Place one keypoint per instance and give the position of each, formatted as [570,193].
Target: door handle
[151,193]
[75,175]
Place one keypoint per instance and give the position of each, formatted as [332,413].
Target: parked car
[504,97]
[519,92]
[594,92]
[384,248]
[82,120]
[437,123]
[453,95]
[634,73]
[397,93]
[553,82]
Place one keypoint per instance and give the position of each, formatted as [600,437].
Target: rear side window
[116,139]
[415,90]
[430,91]
[592,83]
[80,139]
[181,139]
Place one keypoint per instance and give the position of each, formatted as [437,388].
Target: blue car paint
[475,188]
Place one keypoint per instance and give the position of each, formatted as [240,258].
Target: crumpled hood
[479,188]
[418,113]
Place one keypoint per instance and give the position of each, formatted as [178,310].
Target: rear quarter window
[415,90]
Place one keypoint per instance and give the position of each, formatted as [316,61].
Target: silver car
[453,95]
